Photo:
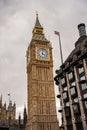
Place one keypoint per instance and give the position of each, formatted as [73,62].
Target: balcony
[62,127]
[82,81]
[58,96]
[57,82]
[60,110]
[56,78]
[57,71]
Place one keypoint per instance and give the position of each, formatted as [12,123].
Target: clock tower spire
[38,27]
[41,98]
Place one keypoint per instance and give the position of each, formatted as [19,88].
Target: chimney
[82,30]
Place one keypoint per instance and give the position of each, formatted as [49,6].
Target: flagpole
[9,97]
[60,50]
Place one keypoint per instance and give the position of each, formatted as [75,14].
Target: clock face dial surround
[42,53]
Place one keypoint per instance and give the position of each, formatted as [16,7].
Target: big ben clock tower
[40,85]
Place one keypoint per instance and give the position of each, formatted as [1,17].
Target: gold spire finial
[37,28]
[36,13]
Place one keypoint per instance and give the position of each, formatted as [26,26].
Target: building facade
[7,112]
[40,85]
[8,116]
[71,79]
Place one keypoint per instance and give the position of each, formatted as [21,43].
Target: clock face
[42,53]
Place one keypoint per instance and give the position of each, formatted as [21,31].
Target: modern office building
[71,79]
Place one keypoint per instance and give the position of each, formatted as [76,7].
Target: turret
[38,31]
[25,116]
[19,118]
[5,105]
[10,103]
[12,110]
[37,28]
[1,101]
[14,105]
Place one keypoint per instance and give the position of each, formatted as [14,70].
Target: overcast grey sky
[17,19]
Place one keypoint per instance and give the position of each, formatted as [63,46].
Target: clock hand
[42,52]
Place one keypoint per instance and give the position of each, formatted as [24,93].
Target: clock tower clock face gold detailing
[42,53]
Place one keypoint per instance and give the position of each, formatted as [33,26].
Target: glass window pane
[67,104]
[70,75]
[82,78]
[75,99]
[85,95]
[64,95]
[84,86]
[73,91]
[63,80]
[73,83]
[81,70]
[86,104]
